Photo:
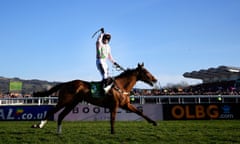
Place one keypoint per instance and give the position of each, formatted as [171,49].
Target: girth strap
[120,91]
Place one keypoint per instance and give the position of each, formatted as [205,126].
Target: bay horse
[73,92]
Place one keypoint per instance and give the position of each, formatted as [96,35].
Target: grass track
[209,131]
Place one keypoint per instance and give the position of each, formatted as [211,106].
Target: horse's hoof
[35,126]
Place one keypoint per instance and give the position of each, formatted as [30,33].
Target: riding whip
[101,29]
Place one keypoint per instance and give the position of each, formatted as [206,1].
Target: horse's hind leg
[132,108]
[49,114]
[61,116]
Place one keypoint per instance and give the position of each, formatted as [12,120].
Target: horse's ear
[140,65]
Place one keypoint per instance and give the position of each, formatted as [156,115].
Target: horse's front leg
[113,113]
[132,108]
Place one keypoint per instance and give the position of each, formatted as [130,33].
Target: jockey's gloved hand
[118,66]
[102,30]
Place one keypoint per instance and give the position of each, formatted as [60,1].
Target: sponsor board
[21,113]
[201,111]
[92,113]
[154,111]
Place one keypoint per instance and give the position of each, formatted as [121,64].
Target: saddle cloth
[96,89]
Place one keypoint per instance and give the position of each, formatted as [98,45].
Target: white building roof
[221,73]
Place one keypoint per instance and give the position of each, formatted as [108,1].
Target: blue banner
[22,113]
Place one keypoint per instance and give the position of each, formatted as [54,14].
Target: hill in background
[28,86]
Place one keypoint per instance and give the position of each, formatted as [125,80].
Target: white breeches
[103,68]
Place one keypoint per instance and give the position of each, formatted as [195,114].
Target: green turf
[192,132]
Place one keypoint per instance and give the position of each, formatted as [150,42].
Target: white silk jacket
[103,50]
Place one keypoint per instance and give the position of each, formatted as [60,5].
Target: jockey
[103,50]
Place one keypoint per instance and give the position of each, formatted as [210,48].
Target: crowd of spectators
[216,88]
[14,95]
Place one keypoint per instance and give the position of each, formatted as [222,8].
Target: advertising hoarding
[201,111]
[21,113]
[92,113]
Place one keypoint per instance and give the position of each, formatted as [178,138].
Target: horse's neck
[126,83]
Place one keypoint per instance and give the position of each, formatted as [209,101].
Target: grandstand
[221,73]
[222,80]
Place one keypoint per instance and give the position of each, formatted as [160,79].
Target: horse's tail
[48,92]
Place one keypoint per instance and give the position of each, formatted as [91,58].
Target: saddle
[98,88]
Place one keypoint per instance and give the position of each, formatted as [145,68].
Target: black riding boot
[107,84]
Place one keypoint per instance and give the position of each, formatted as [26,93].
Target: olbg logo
[195,111]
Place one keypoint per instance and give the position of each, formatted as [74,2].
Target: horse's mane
[126,73]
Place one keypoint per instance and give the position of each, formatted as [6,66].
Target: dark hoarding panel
[201,111]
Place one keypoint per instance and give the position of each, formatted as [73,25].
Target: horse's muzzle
[154,83]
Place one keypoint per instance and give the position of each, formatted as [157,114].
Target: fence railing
[166,99]
[29,101]
[186,99]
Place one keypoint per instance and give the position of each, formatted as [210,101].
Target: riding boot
[107,84]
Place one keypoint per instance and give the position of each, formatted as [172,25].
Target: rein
[114,84]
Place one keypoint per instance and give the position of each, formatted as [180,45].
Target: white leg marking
[59,129]
[42,123]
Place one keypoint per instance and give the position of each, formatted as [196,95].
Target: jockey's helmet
[107,36]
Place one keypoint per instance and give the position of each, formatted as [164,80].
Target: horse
[72,92]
